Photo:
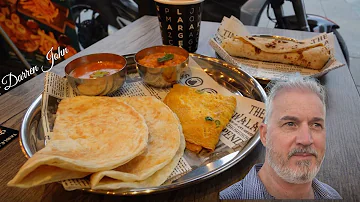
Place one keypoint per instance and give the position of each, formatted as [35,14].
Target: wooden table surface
[340,168]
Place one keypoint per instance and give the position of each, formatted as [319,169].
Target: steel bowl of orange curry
[161,66]
[96,74]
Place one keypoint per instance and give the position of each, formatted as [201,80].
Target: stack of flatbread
[118,142]
[301,53]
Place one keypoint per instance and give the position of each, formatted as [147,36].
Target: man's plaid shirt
[251,187]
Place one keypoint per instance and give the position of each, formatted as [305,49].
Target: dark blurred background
[213,10]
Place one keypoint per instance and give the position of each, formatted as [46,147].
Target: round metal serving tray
[231,77]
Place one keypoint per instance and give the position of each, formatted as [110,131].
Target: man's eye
[317,125]
[291,124]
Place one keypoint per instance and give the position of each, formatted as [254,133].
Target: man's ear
[263,132]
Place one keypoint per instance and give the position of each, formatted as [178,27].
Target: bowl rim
[81,57]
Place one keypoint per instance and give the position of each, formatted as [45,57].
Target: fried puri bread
[164,142]
[90,134]
[202,115]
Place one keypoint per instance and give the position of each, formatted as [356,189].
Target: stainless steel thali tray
[231,77]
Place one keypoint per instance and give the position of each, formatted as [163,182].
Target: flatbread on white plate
[301,53]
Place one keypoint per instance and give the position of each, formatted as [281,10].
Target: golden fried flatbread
[304,54]
[202,115]
[164,140]
[90,134]
[193,147]
[156,179]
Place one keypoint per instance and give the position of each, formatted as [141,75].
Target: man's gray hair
[295,82]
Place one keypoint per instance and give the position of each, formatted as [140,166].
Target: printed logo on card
[194,81]
[7,135]
[208,90]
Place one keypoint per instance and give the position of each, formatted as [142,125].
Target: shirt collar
[253,186]
[324,191]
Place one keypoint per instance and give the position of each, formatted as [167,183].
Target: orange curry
[152,60]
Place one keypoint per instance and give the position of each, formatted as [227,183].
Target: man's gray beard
[302,174]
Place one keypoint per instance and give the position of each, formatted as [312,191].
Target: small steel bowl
[161,76]
[96,86]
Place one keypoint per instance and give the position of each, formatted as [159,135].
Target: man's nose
[304,136]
